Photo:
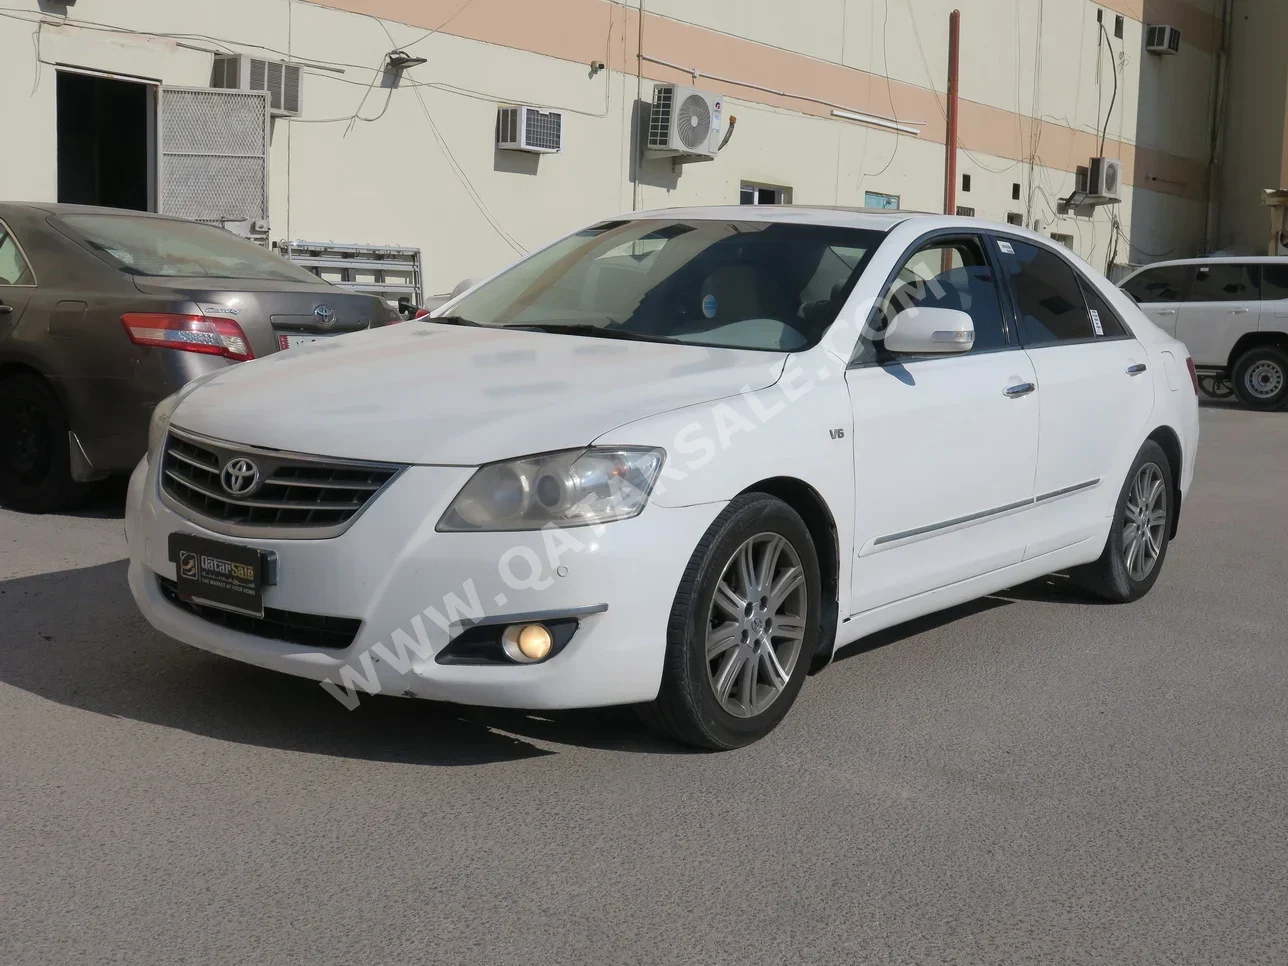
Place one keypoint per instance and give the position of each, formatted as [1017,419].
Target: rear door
[1159,292]
[1222,304]
[1093,393]
[17,283]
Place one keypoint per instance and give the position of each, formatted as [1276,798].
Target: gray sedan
[104,313]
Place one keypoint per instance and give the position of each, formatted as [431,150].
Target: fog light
[527,643]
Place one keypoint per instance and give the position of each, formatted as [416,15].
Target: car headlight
[160,424]
[164,412]
[573,488]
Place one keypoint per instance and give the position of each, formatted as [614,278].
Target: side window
[1111,326]
[1164,284]
[1226,283]
[1048,298]
[1274,282]
[947,274]
[13,267]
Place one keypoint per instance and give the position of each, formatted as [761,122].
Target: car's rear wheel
[1138,540]
[1260,377]
[743,627]
[35,459]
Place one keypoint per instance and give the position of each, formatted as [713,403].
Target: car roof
[1218,260]
[58,208]
[872,218]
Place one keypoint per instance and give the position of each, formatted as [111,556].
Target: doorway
[106,141]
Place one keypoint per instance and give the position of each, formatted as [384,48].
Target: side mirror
[930,331]
[464,285]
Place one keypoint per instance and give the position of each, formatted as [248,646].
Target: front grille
[310,630]
[293,492]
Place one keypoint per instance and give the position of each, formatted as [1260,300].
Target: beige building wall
[416,165]
[1256,122]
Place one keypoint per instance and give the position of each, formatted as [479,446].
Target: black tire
[1260,378]
[687,707]
[35,460]
[1111,577]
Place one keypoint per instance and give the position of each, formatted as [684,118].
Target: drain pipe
[640,132]
[1220,83]
[950,142]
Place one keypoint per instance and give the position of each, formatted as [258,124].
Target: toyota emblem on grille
[240,477]
[324,314]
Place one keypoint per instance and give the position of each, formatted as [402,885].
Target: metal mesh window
[214,146]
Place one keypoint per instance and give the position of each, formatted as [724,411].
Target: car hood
[449,395]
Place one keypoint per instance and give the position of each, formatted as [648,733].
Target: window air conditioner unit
[1105,179]
[237,72]
[1161,39]
[685,123]
[529,129]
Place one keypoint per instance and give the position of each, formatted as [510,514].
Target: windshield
[747,285]
[179,249]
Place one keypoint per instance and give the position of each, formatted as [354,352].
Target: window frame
[1195,268]
[1080,278]
[35,281]
[1009,323]
[782,193]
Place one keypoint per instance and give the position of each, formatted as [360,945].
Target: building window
[1065,240]
[965,212]
[1015,218]
[875,199]
[965,182]
[1015,191]
[763,194]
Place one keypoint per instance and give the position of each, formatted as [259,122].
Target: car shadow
[75,637]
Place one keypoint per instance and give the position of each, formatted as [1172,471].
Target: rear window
[1226,282]
[179,249]
[1274,282]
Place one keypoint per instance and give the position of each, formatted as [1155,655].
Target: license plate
[292,341]
[217,574]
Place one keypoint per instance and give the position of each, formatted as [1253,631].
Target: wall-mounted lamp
[400,60]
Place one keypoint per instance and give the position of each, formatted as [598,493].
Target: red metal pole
[950,142]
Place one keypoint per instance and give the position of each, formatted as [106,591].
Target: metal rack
[383,270]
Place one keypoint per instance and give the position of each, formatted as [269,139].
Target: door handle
[1238,312]
[1137,369]
[1164,311]
[5,309]
[1022,389]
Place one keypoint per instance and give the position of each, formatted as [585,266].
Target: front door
[1159,291]
[944,446]
[1224,303]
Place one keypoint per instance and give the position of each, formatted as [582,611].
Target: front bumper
[392,571]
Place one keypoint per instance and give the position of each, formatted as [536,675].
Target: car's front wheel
[743,627]
[1138,539]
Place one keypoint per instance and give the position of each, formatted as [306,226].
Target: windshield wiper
[593,331]
[450,320]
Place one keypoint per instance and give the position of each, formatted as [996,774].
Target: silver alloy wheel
[1264,379]
[756,624]
[1145,521]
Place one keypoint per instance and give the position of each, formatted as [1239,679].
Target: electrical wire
[885,69]
[1113,65]
[464,179]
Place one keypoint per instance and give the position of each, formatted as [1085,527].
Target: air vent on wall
[280,80]
[1161,39]
[529,129]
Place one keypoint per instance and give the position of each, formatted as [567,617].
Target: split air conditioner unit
[1161,39]
[530,129]
[238,72]
[1105,180]
[685,124]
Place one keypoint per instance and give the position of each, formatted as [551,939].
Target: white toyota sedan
[673,460]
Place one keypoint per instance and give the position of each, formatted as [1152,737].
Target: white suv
[1232,314]
[674,459]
